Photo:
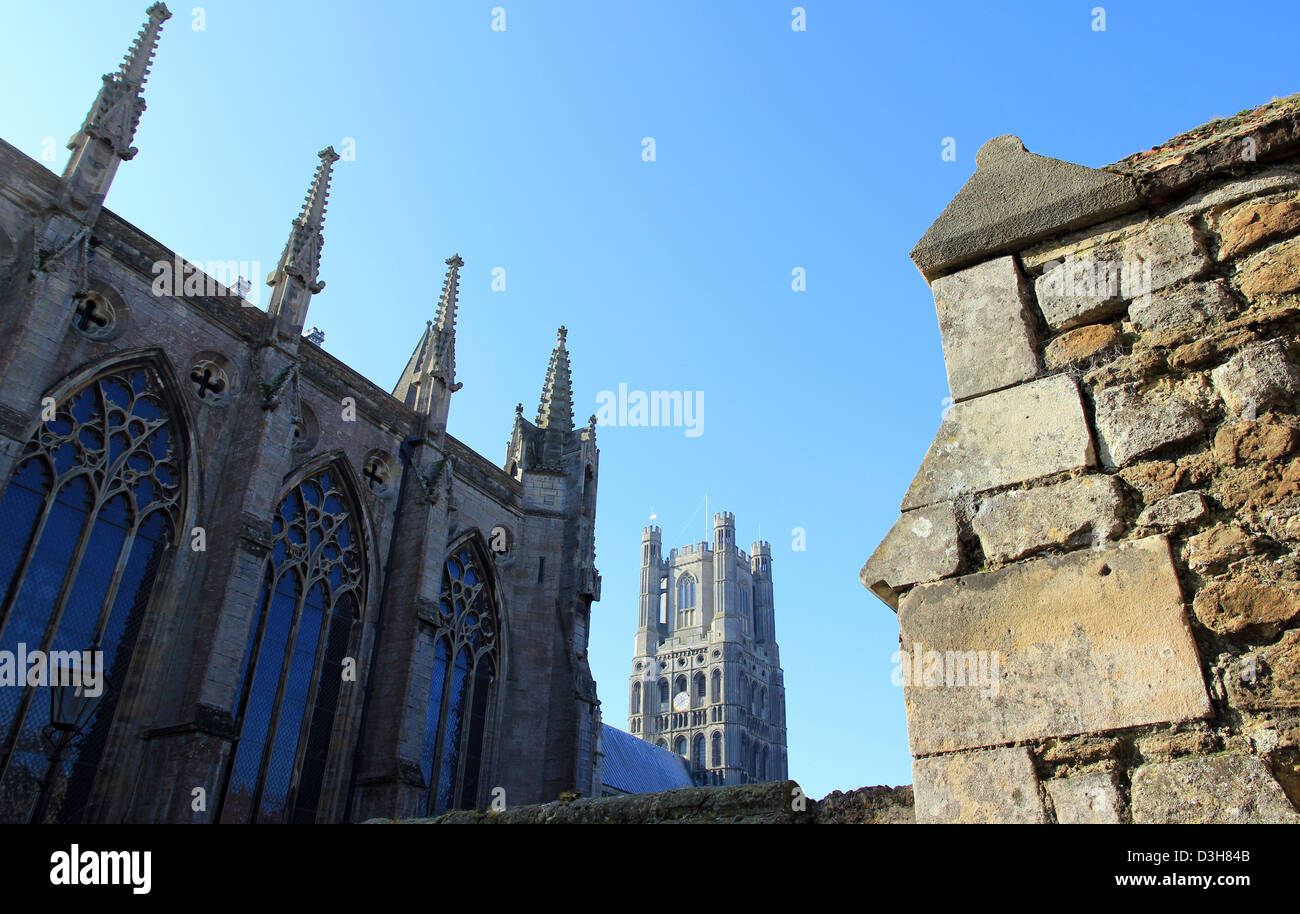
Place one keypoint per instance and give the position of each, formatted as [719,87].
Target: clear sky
[775,149]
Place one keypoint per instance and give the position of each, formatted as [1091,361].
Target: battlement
[724,519]
[651,533]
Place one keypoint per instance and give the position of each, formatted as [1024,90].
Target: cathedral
[310,601]
[706,677]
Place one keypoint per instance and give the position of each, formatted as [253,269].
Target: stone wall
[1095,570]
[770,803]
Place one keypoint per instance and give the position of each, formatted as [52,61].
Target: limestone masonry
[1095,570]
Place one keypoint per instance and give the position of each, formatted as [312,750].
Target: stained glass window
[90,510]
[461,692]
[310,599]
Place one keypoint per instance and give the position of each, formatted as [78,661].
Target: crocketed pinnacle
[444,351]
[556,407]
[115,114]
[301,256]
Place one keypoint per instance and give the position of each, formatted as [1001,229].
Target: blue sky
[774,150]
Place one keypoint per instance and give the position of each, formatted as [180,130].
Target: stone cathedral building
[706,679]
[313,603]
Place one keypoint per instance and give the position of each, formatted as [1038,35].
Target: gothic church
[313,603]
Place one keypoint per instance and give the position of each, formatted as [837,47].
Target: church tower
[706,677]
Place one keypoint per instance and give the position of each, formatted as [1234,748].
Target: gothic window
[743,593]
[685,592]
[715,685]
[762,703]
[679,745]
[715,759]
[663,691]
[461,692]
[662,744]
[311,596]
[636,698]
[699,686]
[85,520]
[679,684]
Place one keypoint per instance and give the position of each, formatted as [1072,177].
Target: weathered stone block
[1273,271]
[1080,643]
[1224,195]
[987,328]
[1085,799]
[1209,790]
[1070,514]
[1267,677]
[1231,607]
[1212,550]
[977,787]
[1187,306]
[1248,226]
[1268,438]
[1256,379]
[1081,290]
[1015,198]
[1168,252]
[1002,438]
[921,546]
[1174,512]
[1082,345]
[1132,422]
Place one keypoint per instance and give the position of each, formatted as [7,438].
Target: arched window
[662,744]
[679,684]
[312,593]
[87,516]
[715,760]
[636,698]
[663,691]
[461,693]
[743,592]
[679,745]
[715,685]
[685,592]
[762,701]
[699,686]
[697,751]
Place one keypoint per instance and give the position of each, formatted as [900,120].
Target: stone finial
[115,114]
[556,407]
[1015,198]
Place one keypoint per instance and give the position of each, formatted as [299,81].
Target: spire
[444,355]
[434,359]
[116,112]
[556,408]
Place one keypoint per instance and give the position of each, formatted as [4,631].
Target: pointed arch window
[715,758]
[310,599]
[715,686]
[679,745]
[85,520]
[636,698]
[461,691]
[685,592]
[697,752]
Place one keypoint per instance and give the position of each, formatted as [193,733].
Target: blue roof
[632,765]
